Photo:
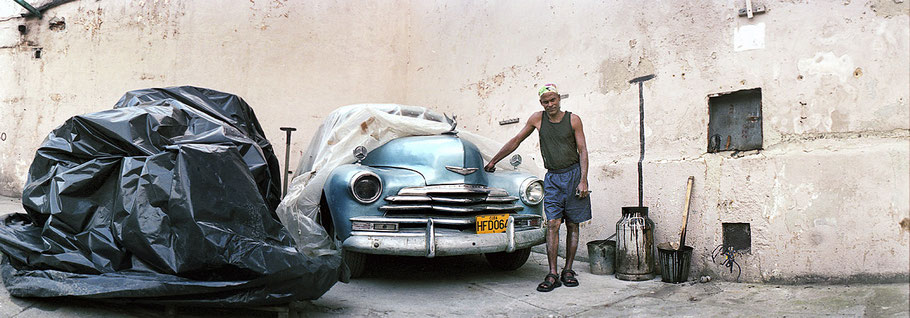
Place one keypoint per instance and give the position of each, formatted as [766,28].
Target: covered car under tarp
[168,198]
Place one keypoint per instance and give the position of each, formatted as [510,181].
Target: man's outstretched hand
[490,167]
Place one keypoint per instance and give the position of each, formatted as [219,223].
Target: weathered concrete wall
[826,196]
[294,62]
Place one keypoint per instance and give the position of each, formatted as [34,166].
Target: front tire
[356,262]
[508,261]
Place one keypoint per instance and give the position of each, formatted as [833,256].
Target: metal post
[641,130]
[287,157]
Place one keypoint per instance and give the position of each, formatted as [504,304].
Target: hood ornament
[360,153]
[515,161]
[460,170]
[454,122]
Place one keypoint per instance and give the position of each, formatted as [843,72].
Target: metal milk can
[634,245]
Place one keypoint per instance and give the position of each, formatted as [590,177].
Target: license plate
[495,223]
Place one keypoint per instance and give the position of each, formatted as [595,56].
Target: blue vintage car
[429,196]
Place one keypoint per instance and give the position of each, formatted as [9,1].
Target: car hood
[434,157]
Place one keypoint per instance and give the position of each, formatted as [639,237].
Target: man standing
[565,155]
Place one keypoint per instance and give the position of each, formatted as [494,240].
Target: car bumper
[431,242]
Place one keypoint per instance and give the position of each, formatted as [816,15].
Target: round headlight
[532,191]
[366,187]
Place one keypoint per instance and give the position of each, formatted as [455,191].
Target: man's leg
[568,275]
[553,243]
[571,243]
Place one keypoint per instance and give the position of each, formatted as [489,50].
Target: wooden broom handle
[682,233]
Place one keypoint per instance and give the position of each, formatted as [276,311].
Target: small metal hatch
[735,121]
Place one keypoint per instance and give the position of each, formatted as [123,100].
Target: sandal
[568,278]
[547,285]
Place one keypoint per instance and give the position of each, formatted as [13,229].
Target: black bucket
[600,256]
[674,264]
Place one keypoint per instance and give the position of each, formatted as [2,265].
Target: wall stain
[158,18]
[888,8]
[610,173]
[147,76]
[486,86]
[267,11]
[905,225]
[90,20]
[616,73]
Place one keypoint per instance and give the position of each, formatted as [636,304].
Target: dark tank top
[557,142]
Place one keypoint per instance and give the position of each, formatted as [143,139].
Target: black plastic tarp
[167,198]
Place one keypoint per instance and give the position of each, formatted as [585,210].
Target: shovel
[674,257]
[682,232]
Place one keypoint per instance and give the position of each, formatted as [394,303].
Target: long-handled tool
[287,158]
[682,232]
[641,129]
[674,257]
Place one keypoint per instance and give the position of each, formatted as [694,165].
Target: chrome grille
[451,200]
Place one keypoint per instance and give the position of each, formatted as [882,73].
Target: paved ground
[466,286]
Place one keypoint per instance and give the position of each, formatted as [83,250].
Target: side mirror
[515,161]
[360,153]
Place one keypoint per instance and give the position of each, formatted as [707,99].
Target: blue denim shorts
[559,199]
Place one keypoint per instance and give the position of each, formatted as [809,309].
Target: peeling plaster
[826,63]
[888,8]
[616,73]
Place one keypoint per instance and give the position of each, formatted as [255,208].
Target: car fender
[342,204]
[512,181]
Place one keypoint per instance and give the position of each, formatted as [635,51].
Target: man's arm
[582,154]
[510,146]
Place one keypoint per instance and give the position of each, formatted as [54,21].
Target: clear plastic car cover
[368,125]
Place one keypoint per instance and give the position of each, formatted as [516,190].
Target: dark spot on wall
[10,186]
[905,225]
[610,173]
[23,29]
[57,24]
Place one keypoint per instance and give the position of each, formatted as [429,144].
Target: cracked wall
[826,197]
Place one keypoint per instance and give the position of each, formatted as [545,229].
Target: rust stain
[366,124]
[905,225]
[498,79]
[486,86]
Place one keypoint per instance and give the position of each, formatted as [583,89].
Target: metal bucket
[674,264]
[600,256]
